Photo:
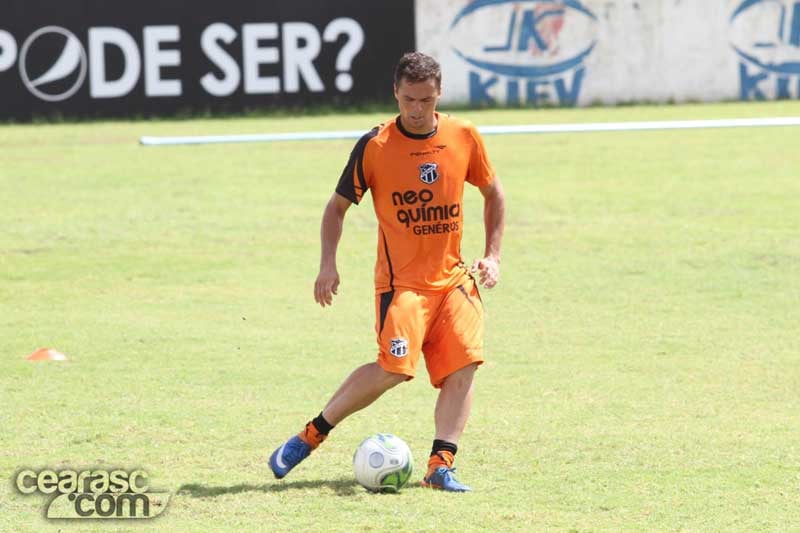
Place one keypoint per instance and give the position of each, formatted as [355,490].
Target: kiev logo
[766,36]
[536,51]
[94,493]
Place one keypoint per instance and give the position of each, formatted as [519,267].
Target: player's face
[417,102]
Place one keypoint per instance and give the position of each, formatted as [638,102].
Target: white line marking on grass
[488,130]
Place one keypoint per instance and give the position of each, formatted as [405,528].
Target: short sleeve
[353,181]
[480,172]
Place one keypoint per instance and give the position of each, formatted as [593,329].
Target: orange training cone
[46,354]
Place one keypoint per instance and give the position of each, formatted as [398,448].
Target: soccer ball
[383,463]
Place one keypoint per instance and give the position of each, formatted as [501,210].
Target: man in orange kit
[426,300]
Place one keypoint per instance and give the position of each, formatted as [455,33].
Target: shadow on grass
[342,487]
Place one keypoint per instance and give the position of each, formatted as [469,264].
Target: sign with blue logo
[524,52]
[766,36]
[581,52]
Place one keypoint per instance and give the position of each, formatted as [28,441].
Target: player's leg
[400,341]
[365,385]
[453,407]
[454,351]
[454,404]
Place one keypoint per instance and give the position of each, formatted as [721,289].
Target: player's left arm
[494,216]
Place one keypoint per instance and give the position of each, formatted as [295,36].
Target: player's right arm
[331,231]
[353,183]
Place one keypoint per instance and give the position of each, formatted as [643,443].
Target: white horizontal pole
[642,126]
[488,130]
[252,138]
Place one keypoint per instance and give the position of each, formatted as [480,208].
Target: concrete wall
[570,52]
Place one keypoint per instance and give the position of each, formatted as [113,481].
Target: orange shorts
[446,327]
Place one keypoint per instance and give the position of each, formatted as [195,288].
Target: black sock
[322,425]
[443,445]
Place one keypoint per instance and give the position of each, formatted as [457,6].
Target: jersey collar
[417,136]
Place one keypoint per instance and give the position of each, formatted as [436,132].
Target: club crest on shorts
[429,172]
[399,347]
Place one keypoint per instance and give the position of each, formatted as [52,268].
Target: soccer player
[426,298]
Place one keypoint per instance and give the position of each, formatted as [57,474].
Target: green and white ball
[383,463]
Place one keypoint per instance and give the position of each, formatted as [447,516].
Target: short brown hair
[416,67]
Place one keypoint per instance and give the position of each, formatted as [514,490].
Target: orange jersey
[417,184]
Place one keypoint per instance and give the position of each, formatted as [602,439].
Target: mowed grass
[643,346]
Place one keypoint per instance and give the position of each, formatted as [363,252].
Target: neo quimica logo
[94,494]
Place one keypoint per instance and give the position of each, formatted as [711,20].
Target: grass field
[643,345]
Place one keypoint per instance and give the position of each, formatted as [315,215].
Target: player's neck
[419,133]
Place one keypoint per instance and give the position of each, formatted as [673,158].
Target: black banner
[100,58]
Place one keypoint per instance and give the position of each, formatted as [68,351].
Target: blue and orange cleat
[442,478]
[288,456]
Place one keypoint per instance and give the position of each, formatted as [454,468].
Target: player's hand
[326,285]
[488,269]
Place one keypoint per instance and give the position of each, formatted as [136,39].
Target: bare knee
[461,377]
[388,379]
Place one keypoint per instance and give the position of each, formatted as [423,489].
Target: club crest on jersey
[399,347]
[428,172]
